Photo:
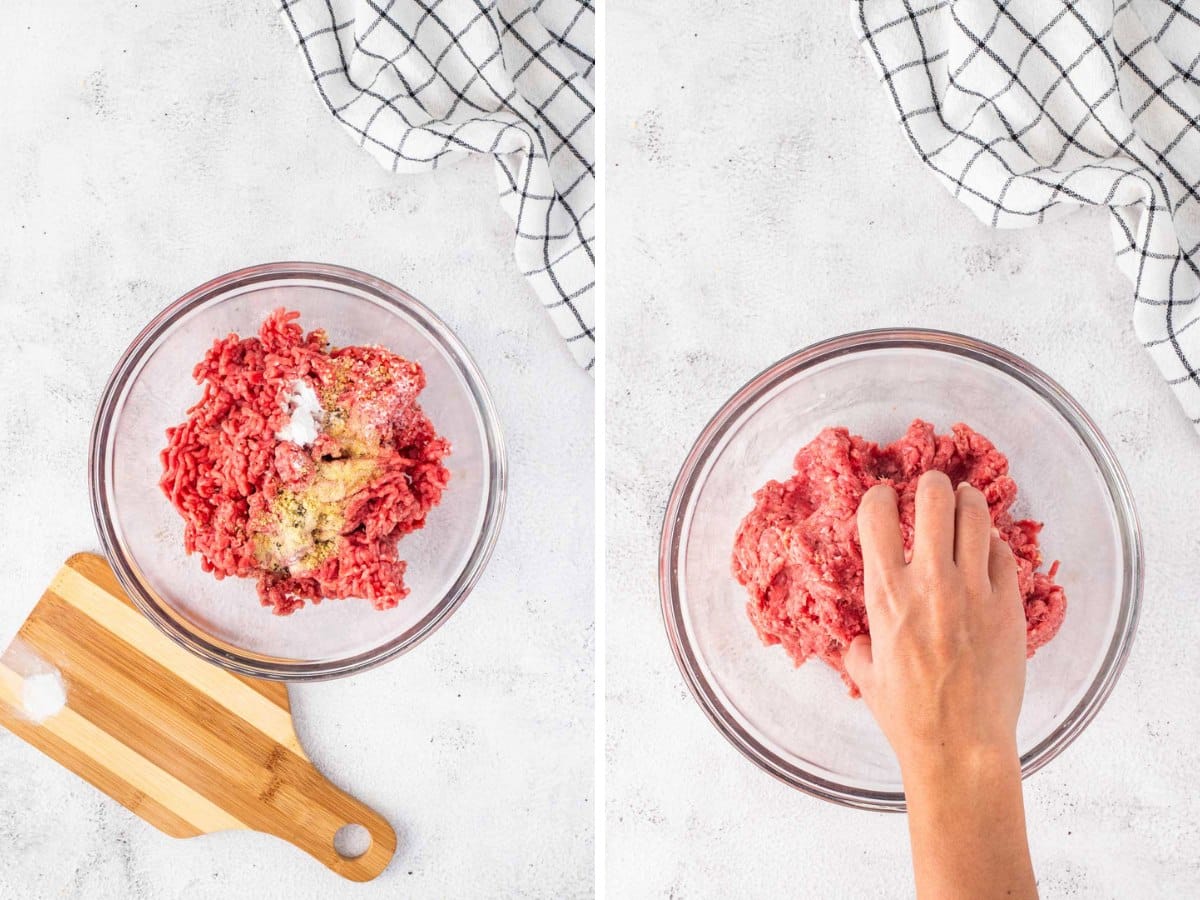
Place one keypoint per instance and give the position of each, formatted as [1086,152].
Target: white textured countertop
[777,204]
[145,150]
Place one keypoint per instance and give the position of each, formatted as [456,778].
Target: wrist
[960,765]
[966,819]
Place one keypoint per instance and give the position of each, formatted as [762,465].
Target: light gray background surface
[146,148]
[762,197]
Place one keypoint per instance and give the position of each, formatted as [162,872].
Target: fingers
[882,547]
[858,661]
[879,529]
[972,532]
[933,537]
[1002,569]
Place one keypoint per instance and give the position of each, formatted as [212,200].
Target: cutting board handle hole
[352,841]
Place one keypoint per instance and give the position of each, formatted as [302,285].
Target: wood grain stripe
[135,770]
[77,760]
[159,716]
[97,570]
[130,626]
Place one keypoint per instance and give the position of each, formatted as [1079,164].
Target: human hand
[943,670]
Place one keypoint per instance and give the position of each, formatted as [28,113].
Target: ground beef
[312,520]
[798,555]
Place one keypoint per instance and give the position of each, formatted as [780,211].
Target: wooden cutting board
[189,747]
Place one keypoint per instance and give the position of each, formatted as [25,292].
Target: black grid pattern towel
[424,83]
[1027,108]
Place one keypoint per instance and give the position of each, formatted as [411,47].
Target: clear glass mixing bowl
[142,534]
[799,724]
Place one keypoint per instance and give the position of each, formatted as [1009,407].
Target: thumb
[858,662]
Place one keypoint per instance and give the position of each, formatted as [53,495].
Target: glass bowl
[799,724]
[142,534]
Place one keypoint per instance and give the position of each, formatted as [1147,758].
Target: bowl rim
[262,666]
[729,416]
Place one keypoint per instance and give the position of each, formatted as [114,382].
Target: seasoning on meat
[302,465]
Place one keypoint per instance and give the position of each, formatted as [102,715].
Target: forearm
[966,820]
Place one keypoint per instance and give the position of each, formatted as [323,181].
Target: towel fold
[424,83]
[1026,109]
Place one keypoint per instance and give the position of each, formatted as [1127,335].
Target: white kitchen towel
[1026,109]
[424,83]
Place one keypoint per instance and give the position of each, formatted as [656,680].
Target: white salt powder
[43,695]
[305,423]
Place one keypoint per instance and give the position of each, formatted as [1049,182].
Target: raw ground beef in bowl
[797,552]
[302,465]
[848,406]
[351,455]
